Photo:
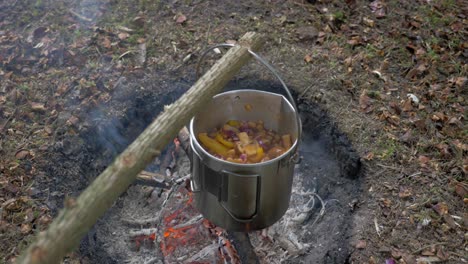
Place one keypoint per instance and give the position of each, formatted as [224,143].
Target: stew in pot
[245,142]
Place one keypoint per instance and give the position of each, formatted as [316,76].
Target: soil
[380,83]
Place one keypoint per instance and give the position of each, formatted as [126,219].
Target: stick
[184,139]
[151,179]
[78,216]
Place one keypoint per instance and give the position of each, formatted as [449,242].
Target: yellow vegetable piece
[223,141]
[259,156]
[213,145]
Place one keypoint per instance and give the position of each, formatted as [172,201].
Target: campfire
[166,227]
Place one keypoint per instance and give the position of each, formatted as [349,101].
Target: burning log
[78,216]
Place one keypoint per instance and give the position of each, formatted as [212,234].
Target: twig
[189,222]
[377,228]
[156,260]
[322,210]
[184,139]
[143,232]
[144,222]
[8,120]
[80,16]
[388,167]
[423,248]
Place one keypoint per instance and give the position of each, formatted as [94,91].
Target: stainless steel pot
[244,197]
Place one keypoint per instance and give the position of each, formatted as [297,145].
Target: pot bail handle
[224,195]
[294,158]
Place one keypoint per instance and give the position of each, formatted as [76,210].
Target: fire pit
[159,223]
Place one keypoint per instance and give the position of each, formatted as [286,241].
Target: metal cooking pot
[244,197]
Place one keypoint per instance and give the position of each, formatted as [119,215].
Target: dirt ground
[392,75]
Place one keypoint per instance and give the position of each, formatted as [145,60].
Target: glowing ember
[186,237]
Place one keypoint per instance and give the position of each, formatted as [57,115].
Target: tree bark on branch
[78,216]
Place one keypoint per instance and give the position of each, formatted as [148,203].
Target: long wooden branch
[78,216]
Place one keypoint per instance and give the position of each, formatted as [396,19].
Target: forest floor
[391,74]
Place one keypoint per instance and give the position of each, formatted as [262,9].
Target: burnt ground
[76,77]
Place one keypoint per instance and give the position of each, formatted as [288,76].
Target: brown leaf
[123,35]
[423,160]
[361,244]
[408,105]
[181,19]
[407,137]
[22,154]
[308,58]
[461,189]
[364,102]
[444,150]
[25,228]
[438,116]
[427,252]
[139,21]
[420,124]
[106,43]
[405,192]
[369,156]
[457,26]
[455,121]
[378,8]
[368,22]
[441,208]
[384,202]
[394,120]
[460,82]
[459,145]
[416,71]
[72,121]
[395,107]
[355,40]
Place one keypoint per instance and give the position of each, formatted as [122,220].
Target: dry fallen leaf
[22,154]
[123,35]
[423,160]
[355,40]
[181,19]
[405,192]
[441,208]
[461,189]
[308,58]
[364,102]
[25,228]
[106,43]
[368,22]
[408,105]
[369,156]
[444,150]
